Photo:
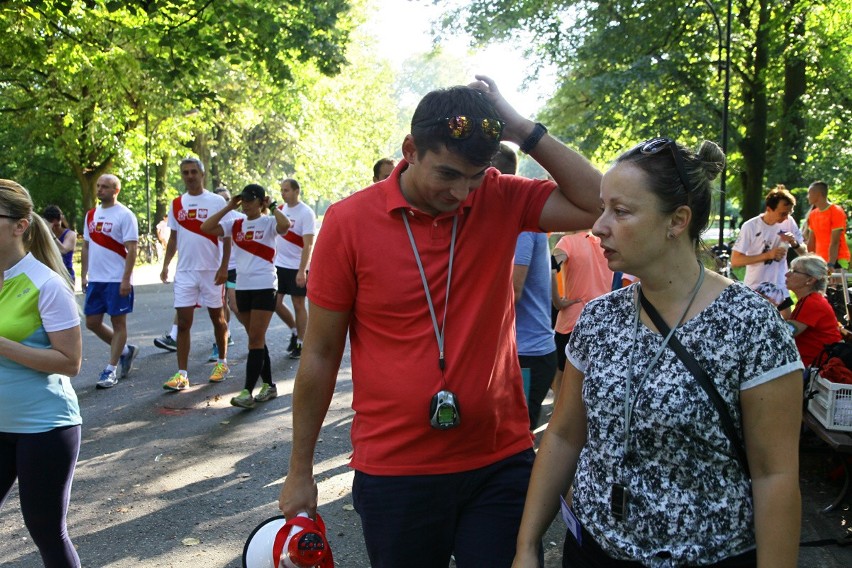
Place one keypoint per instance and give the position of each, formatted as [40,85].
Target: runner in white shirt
[291,262]
[253,239]
[202,269]
[763,243]
[110,236]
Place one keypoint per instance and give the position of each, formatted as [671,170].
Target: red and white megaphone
[297,543]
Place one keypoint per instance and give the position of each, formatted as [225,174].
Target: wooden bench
[840,443]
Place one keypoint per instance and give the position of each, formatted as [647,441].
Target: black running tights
[44,466]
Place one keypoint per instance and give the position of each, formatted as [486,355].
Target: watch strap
[539,130]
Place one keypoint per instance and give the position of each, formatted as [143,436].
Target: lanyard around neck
[628,403]
[439,334]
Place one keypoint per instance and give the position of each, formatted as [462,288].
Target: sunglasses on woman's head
[657,145]
[462,127]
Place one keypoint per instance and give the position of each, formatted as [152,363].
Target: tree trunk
[160,176]
[790,158]
[202,150]
[753,143]
[88,177]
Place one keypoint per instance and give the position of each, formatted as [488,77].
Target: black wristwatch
[538,132]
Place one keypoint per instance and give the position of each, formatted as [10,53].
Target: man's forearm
[739,259]
[130,260]
[578,180]
[306,256]
[312,395]
[834,246]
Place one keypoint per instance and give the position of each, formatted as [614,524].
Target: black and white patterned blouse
[690,501]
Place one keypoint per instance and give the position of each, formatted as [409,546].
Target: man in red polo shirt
[442,448]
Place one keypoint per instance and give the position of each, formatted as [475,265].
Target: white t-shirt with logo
[757,237]
[196,251]
[303,221]
[255,238]
[117,223]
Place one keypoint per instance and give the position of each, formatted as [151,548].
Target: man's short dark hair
[293,183]
[505,160]
[821,186]
[429,136]
[777,195]
[52,213]
[377,167]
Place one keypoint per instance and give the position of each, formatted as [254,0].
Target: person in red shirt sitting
[813,321]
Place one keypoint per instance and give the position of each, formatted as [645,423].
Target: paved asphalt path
[180,479]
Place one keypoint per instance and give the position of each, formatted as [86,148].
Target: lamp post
[149,240]
[725,106]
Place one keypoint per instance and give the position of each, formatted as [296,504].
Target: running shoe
[214,355]
[267,392]
[177,383]
[126,361]
[296,353]
[243,400]
[107,380]
[220,373]
[230,340]
[166,342]
[294,341]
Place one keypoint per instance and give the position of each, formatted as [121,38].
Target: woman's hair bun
[712,159]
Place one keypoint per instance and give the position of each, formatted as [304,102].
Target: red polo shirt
[363,262]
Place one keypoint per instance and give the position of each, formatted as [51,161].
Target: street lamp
[725,106]
[148,184]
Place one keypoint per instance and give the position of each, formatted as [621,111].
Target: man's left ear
[679,221]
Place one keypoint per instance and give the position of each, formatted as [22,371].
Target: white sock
[294,331]
[173,332]
[125,351]
[109,368]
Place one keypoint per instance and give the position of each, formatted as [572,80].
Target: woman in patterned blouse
[656,480]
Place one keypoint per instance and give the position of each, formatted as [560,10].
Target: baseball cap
[253,191]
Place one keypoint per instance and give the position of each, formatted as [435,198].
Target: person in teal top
[40,349]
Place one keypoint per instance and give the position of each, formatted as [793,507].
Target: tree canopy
[631,69]
[93,84]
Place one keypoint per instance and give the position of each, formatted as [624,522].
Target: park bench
[840,444]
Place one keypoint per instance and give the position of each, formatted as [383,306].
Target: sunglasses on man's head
[657,145]
[462,127]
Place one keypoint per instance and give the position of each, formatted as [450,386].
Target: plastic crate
[832,404]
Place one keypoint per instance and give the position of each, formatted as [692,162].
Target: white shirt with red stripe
[289,246]
[254,247]
[106,230]
[196,250]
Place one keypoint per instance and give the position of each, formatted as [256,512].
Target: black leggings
[44,466]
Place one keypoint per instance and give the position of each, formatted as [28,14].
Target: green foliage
[630,69]
[82,78]
[347,123]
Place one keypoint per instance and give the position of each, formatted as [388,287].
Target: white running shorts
[198,288]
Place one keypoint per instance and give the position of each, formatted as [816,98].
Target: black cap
[253,191]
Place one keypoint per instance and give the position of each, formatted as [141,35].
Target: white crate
[832,404]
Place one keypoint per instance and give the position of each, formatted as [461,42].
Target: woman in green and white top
[40,348]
